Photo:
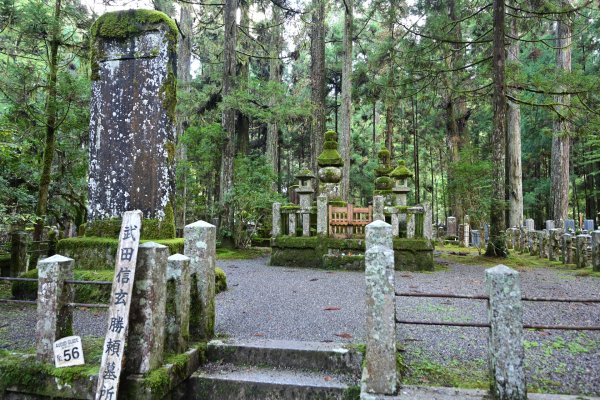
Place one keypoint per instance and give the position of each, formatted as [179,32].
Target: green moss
[352,393]
[170,148]
[349,262]
[401,172]
[337,203]
[240,254]
[402,209]
[290,207]
[382,192]
[220,280]
[168,93]
[157,380]
[330,158]
[384,183]
[330,135]
[151,228]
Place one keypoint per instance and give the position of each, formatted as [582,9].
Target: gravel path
[316,305]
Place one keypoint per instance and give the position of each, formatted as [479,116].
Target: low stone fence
[22,251]
[171,306]
[505,322]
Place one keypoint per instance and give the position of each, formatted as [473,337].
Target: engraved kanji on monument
[132,114]
[120,302]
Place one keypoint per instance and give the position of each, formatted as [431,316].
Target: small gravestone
[588,225]
[475,238]
[549,224]
[569,225]
[132,122]
[530,224]
[486,232]
[451,227]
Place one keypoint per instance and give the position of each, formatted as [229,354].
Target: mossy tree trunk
[275,66]
[242,127]
[496,245]
[561,141]
[317,80]
[346,114]
[51,123]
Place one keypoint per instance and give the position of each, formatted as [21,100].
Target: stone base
[347,254]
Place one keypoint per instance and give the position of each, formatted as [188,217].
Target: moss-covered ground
[242,254]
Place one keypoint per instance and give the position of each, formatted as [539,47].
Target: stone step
[333,357]
[235,382]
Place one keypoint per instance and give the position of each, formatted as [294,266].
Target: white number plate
[68,352]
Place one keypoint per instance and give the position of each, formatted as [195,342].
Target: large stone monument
[330,168]
[132,124]
[383,183]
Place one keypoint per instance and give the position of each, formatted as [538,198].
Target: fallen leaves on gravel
[327,378]
[332,308]
[343,335]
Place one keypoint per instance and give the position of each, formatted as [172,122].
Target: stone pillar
[200,246]
[292,223]
[54,317]
[534,248]
[451,227]
[581,250]
[379,374]
[567,254]
[276,230]
[177,329]
[543,243]
[466,235]
[553,249]
[475,238]
[19,260]
[530,224]
[146,336]
[322,215]
[486,232]
[596,251]
[395,224]
[410,225]
[549,224]
[132,123]
[588,225]
[428,221]
[378,205]
[505,344]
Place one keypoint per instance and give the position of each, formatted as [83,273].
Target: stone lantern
[383,182]
[330,163]
[400,175]
[305,191]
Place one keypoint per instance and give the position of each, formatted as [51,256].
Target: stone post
[530,224]
[276,230]
[466,234]
[19,260]
[581,250]
[569,226]
[322,215]
[549,224]
[379,374]
[177,330]
[292,223]
[543,243]
[200,246]
[410,225]
[588,225]
[553,244]
[505,344]
[146,336]
[395,224]
[596,251]
[475,238]
[54,316]
[378,205]
[567,254]
[451,227]
[428,221]
[132,121]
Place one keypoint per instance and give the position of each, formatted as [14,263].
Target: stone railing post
[466,234]
[378,205]
[292,223]
[200,246]
[410,225]
[505,315]
[395,223]
[54,316]
[276,229]
[428,221]
[550,224]
[567,253]
[322,215]
[529,224]
[146,336]
[379,374]
[177,329]
[553,248]
[451,227]
[19,260]
[581,250]
[596,251]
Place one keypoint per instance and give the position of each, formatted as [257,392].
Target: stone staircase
[276,369]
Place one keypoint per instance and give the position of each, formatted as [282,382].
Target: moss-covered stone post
[542,243]
[200,240]
[581,259]
[305,191]
[54,316]
[535,243]
[567,253]
[379,373]
[410,225]
[276,229]
[554,248]
[596,251]
[322,222]
[292,223]
[330,171]
[132,122]
[395,223]
[383,182]
[505,344]
[177,329]
[19,260]
[146,336]
[378,208]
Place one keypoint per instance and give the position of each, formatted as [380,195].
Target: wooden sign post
[120,301]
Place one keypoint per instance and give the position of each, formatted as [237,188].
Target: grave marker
[120,302]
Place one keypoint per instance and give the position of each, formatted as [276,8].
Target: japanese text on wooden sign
[120,301]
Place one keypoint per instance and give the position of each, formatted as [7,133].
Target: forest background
[494,106]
